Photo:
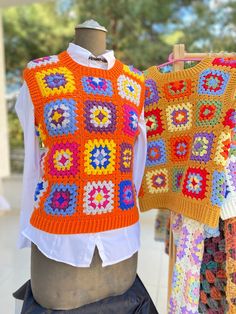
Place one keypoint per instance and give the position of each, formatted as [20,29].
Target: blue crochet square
[151,93]
[97,86]
[156,153]
[218,188]
[60,117]
[126,195]
[61,200]
[213,82]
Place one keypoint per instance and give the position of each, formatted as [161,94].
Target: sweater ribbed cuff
[228,209]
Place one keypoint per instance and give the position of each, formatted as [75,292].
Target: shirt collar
[81,55]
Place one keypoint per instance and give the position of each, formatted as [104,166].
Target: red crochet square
[154,124]
[178,89]
[179,148]
[195,183]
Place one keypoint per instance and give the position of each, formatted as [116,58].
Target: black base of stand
[135,301]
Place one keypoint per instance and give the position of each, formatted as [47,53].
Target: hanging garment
[213,275]
[76,249]
[190,115]
[230,247]
[185,288]
[161,221]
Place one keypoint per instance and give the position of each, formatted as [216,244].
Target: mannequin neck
[91,39]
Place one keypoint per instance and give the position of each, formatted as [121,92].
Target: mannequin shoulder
[42,61]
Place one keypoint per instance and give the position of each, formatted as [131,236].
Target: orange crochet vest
[87,119]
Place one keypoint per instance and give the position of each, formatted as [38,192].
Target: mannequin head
[91,36]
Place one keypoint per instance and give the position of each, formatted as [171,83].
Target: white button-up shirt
[74,249]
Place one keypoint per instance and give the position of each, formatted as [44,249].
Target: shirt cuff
[228,209]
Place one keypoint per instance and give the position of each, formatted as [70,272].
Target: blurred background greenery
[142,33]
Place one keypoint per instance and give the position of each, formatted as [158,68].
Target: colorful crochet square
[64,160]
[60,117]
[131,70]
[191,295]
[156,153]
[231,171]
[230,118]
[195,183]
[40,132]
[42,61]
[98,197]
[201,148]
[208,112]
[179,117]
[126,195]
[232,150]
[218,188]
[153,121]
[213,82]
[99,156]
[157,181]
[177,176]
[126,157]
[182,244]
[62,200]
[130,120]
[55,81]
[179,148]
[39,191]
[151,93]
[177,89]
[129,89]
[97,86]
[227,62]
[186,277]
[222,150]
[178,274]
[100,116]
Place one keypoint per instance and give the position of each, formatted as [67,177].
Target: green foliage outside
[141,33]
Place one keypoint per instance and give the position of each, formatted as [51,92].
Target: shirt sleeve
[25,112]
[228,209]
[140,152]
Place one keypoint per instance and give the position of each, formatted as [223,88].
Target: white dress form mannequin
[59,286]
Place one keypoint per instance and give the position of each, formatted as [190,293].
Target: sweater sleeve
[25,112]
[228,209]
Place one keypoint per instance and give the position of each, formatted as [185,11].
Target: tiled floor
[15,264]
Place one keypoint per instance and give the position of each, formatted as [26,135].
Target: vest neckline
[181,73]
[68,60]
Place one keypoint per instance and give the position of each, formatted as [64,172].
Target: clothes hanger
[172,60]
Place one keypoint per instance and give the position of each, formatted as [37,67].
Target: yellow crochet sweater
[190,116]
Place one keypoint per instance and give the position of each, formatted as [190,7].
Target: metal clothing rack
[179,52]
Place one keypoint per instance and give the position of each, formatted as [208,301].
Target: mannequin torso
[58,285]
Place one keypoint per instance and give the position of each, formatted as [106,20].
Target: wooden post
[178,53]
